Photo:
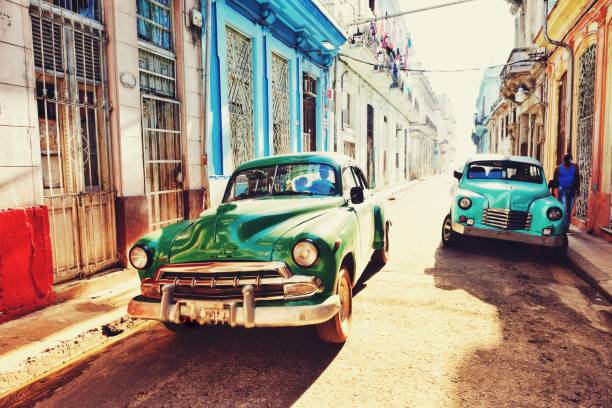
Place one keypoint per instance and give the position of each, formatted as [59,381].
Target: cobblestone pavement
[487,324]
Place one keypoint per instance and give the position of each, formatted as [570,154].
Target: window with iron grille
[85,8]
[160,110]
[155,22]
[346,113]
[157,74]
[70,90]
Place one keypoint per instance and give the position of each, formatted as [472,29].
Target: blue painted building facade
[269,82]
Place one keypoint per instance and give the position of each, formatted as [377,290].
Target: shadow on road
[210,366]
[371,270]
[540,351]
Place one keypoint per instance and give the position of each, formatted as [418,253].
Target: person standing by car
[567,182]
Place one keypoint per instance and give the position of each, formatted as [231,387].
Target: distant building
[387,118]
[488,97]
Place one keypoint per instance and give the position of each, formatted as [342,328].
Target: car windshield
[287,179]
[505,170]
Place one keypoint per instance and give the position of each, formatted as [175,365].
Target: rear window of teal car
[505,170]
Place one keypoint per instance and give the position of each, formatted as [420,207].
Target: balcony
[522,73]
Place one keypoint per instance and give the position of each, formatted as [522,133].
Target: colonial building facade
[586,28]
[101,107]
[103,117]
[270,82]
[556,96]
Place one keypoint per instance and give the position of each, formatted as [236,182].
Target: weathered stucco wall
[26,264]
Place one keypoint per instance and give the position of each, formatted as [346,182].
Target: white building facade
[387,117]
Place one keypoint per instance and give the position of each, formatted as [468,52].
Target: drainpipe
[570,79]
[204,105]
[339,119]
[335,87]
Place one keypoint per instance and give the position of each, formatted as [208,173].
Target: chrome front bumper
[246,315]
[550,241]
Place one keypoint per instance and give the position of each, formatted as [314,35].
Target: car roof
[502,157]
[333,159]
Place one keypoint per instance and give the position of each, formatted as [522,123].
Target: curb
[88,287]
[44,384]
[590,273]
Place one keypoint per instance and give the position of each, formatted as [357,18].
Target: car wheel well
[349,262]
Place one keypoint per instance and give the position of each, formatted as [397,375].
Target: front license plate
[209,314]
[215,315]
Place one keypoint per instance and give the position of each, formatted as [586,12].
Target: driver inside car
[323,186]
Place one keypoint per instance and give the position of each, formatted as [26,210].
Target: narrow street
[486,324]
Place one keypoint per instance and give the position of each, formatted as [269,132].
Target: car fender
[338,225]
[479,203]
[538,209]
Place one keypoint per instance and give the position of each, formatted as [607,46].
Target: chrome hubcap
[345,303]
[447,229]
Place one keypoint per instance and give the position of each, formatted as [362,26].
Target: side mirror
[357,195]
[458,175]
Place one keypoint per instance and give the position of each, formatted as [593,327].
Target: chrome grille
[225,282]
[506,219]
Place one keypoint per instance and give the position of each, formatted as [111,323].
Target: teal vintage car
[507,198]
[285,247]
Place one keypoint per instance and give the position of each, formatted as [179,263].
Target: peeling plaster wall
[26,264]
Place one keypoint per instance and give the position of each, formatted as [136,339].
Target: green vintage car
[507,198]
[284,248]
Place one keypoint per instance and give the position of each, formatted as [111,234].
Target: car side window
[348,181]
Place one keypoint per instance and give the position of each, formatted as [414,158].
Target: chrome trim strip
[219,267]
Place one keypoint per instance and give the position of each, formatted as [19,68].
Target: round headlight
[305,253]
[554,213]
[139,257]
[465,203]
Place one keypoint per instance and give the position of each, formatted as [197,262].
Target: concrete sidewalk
[591,258]
[93,312]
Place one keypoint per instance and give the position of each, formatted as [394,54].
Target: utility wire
[403,13]
[444,70]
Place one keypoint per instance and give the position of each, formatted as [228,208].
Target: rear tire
[337,329]
[449,237]
[381,256]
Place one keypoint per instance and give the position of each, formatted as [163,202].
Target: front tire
[449,237]
[559,253]
[337,329]
[181,328]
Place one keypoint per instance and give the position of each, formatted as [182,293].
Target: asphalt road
[489,324]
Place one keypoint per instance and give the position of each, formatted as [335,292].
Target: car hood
[512,195]
[246,230]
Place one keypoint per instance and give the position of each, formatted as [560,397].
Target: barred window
[86,8]
[157,74]
[346,113]
[155,22]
